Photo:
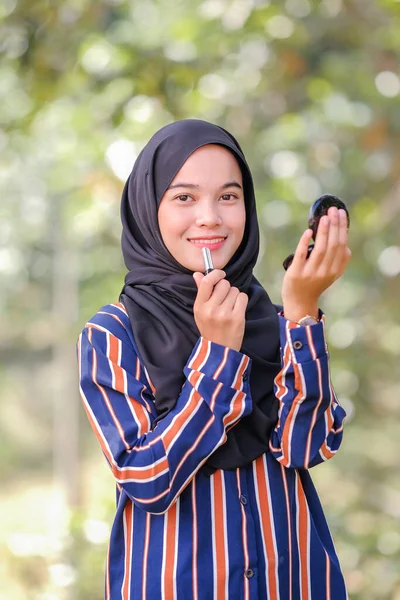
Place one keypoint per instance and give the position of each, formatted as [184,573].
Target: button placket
[245,499]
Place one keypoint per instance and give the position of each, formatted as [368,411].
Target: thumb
[197,276]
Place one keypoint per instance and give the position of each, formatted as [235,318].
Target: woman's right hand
[219,309]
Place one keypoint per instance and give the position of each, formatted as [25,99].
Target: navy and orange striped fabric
[255,533]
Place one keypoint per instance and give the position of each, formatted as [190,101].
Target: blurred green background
[311,90]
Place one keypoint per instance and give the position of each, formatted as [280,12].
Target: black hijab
[159,292]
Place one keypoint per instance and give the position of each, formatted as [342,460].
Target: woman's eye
[228,197]
[183,198]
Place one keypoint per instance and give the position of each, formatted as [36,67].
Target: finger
[231,298]
[220,292]
[197,276]
[341,256]
[333,252]
[300,254]
[207,284]
[343,229]
[346,259]
[345,262]
[241,304]
[321,241]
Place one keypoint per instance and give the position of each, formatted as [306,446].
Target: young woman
[209,402]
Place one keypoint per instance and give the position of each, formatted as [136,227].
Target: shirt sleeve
[153,466]
[310,424]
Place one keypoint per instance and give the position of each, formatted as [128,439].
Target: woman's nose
[208,214]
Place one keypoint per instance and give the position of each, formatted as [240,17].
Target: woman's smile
[212,243]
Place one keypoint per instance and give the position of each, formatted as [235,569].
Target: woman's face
[204,207]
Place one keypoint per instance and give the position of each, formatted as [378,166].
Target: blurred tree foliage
[311,89]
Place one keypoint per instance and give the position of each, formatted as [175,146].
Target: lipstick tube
[208,264]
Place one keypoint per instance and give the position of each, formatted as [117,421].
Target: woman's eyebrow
[194,185]
[182,185]
[232,184]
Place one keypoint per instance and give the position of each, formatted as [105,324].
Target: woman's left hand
[306,279]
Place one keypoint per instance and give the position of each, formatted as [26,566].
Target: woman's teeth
[213,241]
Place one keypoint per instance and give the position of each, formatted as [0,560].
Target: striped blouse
[254,533]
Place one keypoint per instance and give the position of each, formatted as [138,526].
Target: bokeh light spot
[284,164]
[180,51]
[63,575]
[95,531]
[276,214]
[307,189]
[389,261]
[280,27]
[97,57]
[342,333]
[298,8]
[388,84]
[213,86]
[120,155]
[389,542]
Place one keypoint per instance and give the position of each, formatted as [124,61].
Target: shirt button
[245,375]
[297,345]
[249,573]
[243,499]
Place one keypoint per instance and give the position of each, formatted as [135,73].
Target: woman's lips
[211,244]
